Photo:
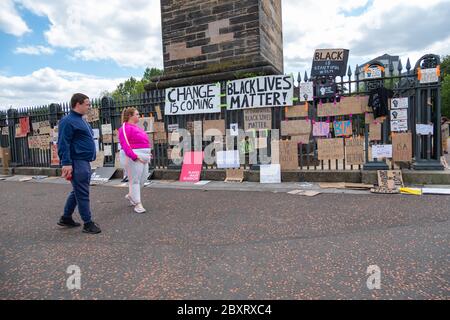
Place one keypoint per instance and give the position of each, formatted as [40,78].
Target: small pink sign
[192,166]
[321,129]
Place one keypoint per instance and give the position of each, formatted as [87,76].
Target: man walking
[76,149]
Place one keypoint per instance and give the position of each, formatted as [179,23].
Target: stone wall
[217,35]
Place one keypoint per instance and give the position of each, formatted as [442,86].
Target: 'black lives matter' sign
[193,99]
[266,91]
[329,62]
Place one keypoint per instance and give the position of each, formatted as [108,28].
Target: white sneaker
[139,208]
[132,203]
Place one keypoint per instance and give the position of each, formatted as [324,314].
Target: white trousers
[137,173]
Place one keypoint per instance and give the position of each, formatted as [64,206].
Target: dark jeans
[81,178]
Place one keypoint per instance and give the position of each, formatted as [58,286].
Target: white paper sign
[203,98]
[106,129]
[424,129]
[107,149]
[270,173]
[399,103]
[97,145]
[382,151]
[429,75]
[399,125]
[306,91]
[259,92]
[96,133]
[227,159]
[234,129]
[173,127]
[399,114]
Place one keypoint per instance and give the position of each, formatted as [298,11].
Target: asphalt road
[224,245]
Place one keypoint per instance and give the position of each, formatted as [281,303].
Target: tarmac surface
[244,241]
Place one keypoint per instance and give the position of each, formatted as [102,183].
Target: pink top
[137,139]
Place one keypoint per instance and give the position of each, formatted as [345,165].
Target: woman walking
[136,154]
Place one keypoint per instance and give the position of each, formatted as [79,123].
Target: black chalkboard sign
[329,63]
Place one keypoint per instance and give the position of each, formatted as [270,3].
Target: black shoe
[91,227]
[125,179]
[68,222]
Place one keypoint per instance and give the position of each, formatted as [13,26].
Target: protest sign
[346,106]
[270,173]
[265,91]
[297,111]
[380,151]
[330,149]
[329,62]
[306,91]
[258,119]
[424,129]
[227,159]
[147,124]
[192,166]
[214,127]
[354,151]
[295,127]
[343,128]
[402,146]
[321,129]
[288,155]
[203,98]
[375,131]
[41,127]
[399,103]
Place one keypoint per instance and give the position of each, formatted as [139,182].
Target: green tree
[132,86]
[445,86]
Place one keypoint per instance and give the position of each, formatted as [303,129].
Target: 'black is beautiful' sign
[329,62]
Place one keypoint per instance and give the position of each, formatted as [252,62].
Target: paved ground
[216,244]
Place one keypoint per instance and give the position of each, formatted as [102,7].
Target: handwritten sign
[296,111]
[321,129]
[107,129]
[39,142]
[41,127]
[234,175]
[347,106]
[375,131]
[288,155]
[147,124]
[329,62]
[390,179]
[228,159]
[270,173]
[54,161]
[214,127]
[402,147]
[258,119]
[92,115]
[399,125]
[306,91]
[330,149]
[424,129]
[428,75]
[266,91]
[193,99]
[380,151]
[295,127]
[354,151]
[300,139]
[343,128]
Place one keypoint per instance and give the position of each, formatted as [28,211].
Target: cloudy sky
[50,49]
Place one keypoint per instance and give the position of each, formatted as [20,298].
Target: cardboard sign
[258,119]
[192,166]
[297,111]
[424,129]
[5,131]
[390,179]
[102,174]
[329,62]
[399,103]
[288,155]
[107,128]
[402,147]
[234,175]
[375,131]
[194,127]
[300,139]
[343,128]
[54,155]
[147,124]
[227,159]
[203,98]
[174,153]
[330,149]
[380,151]
[117,163]
[160,137]
[107,138]
[306,91]
[214,127]
[295,127]
[321,129]
[92,115]
[99,160]
[265,91]
[270,173]
[368,117]
[346,106]
[399,114]
[41,127]
[158,112]
[354,151]
[39,142]
[159,127]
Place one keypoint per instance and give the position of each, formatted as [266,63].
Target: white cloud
[48,85]
[127,32]
[408,28]
[10,21]
[34,50]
